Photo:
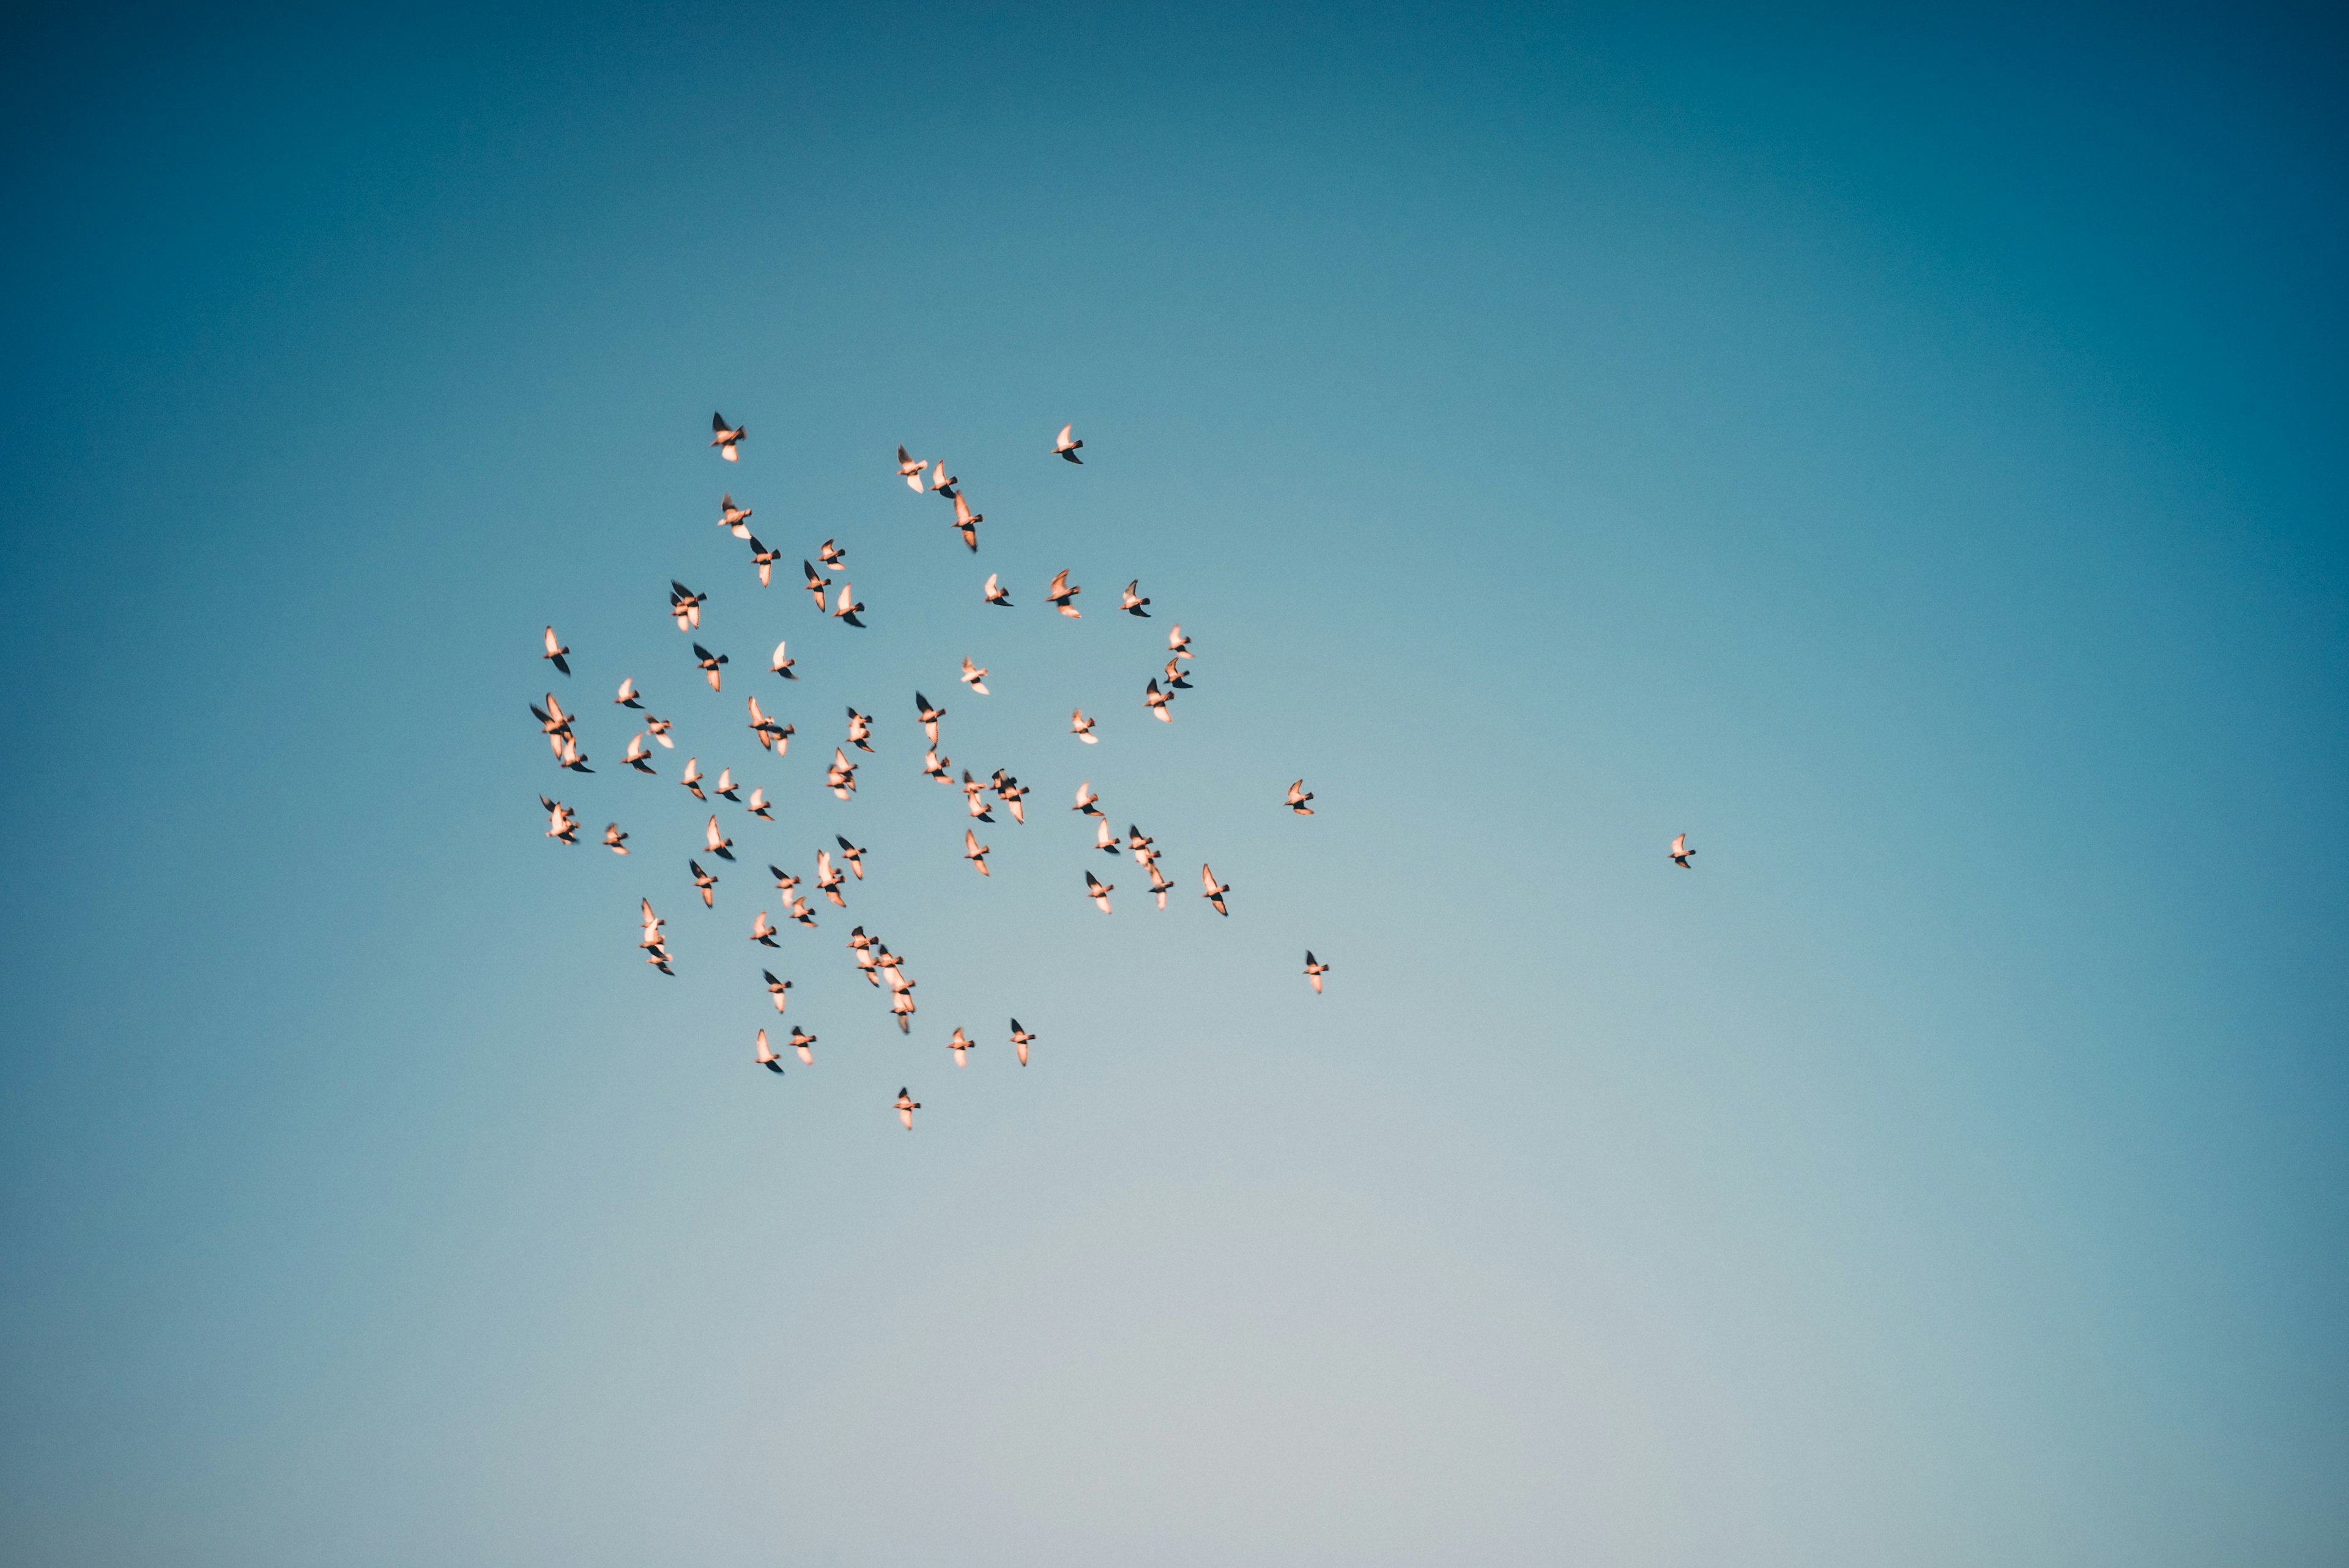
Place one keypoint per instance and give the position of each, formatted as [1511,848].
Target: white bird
[717,842]
[561,823]
[972,790]
[1060,594]
[1175,677]
[692,779]
[1131,601]
[651,922]
[930,716]
[1145,848]
[830,554]
[1297,795]
[974,677]
[1157,702]
[706,882]
[1314,970]
[816,584]
[966,522]
[974,851]
[726,788]
[757,806]
[637,755]
[1177,644]
[685,606]
[767,1057]
[614,839]
[851,854]
[710,662]
[659,728]
[902,1008]
[801,1042]
[1098,891]
[1214,890]
[941,483]
[777,989]
[1680,853]
[1082,727]
[727,442]
[997,593]
[1019,1041]
[571,757]
[763,933]
[1087,799]
[764,559]
[772,736]
[960,1046]
[732,517]
[1010,792]
[909,469]
[828,879]
[1064,448]
[551,719]
[906,1106]
[781,663]
[847,611]
[841,778]
[935,766]
[860,728]
[799,913]
[1159,884]
[555,651]
[628,697]
[1105,837]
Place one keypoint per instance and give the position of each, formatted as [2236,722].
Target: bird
[1131,601]
[851,854]
[710,662]
[781,663]
[860,728]
[764,559]
[651,922]
[1060,594]
[771,736]
[1145,848]
[728,442]
[909,469]
[1157,702]
[847,611]
[1159,884]
[816,583]
[1297,795]
[763,933]
[1680,853]
[941,483]
[1019,1041]
[1175,677]
[785,881]
[628,697]
[1177,644]
[801,1042]
[1087,800]
[799,913]
[767,1057]
[1064,448]
[960,1046]
[561,824]
[571,757]
[555,651]
[974,677]
[997,593]
[1105,837]
[935,766]
[757,806]
[706,882]
[614,839]
[902,1008]
[726,788]
[1215,891]
[551,720]
[776,988]
[685,606]
[830,554]
[974,851]
[636,756]
[966,522]
[1010,792]
[828,879]
[930,717]
[717,842]
[659,728]
[658,958]
[1082,727]
[1314,970]
[732,517]
[842,778]
[1098,891]
[971,792]
[906,1106]
[692,779]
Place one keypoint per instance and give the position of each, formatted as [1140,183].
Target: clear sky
[1906,456]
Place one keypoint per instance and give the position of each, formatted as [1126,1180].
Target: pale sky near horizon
[1904,456]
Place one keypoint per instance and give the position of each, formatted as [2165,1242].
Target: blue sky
[1902,455]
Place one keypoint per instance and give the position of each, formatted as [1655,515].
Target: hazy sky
[1905,457]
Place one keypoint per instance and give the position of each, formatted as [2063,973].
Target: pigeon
[692,779]
[551,720]
[1019,1041]
[853,854]
[776,988]
[799,913]
[1131,601]
[764,559]
[658,958]
[1215,891]
[902,1008]
[717,842]
[935,766]
[830,555]
[1680,853]
[828,879]
[974,851]
[638,756]
[1297,795]
[561,824]
[997,593]
[942,483]
[1098,891]
[860,728]
[1158,702]
[1086,799]
[774,737]
[1060,594]
[628,697]
[710,662]
[555,651]
[967,522]
[1177,644]
[960,1046]
[816,583]
[1175,677]
[1145,848]
[1105,837]
[1314,970]
[785,881]
[706,882]
[571,757]
[1010,792]
[842,778]
[974,677]
[801,1042]
[651,922]
[767,1057]
[909,469]
[1066,449]
[726,788]
[762,932]
[781,663]
[685,606]
[614,839]
[732,517]
[727,442]
[659,729]
[847,611]
[971,792]
[906,1106]
[930,717]
[1159,884]
[757,806]
[1082,727]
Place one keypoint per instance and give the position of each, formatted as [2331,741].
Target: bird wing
[1060,586]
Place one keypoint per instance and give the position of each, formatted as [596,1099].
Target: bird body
[1680,853]
[1131,600]
[562,824]
[710,662]
[767,1057]
[1213,890]
[776,989]
[1061,595]
[997,593]
[1020,1040]
[851,855]
[762,932]
[974,677]
[1098,891]
[638,756]
[1088,801]
[960,1046]
[831,554]
[1314,970]
[732,517]
[906,1105]
[757,806]
[706,883]
[728,442]
[966,522]
[1297,795]
[614,839]
[816,584]
[685,606]
[909,469]
[726,788]
[628,697]
[1082,727]
[717,842]
[692,779]
[802,1042]
[973,851]
[1064,446]
[930,715]
[847,611]
[556,654]
[1158,702]
[764,559]
[860,728]
[781,663]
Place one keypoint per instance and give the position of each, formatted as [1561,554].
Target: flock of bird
[873,958]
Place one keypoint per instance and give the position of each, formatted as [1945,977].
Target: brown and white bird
[1158,702]
[974,677]
[906,1106]
[614,839]
[1159,884]
[692,779]
[846,610]
[1098,891]
[997,593]
[571,757]
[804,1042]
[851,855]
[840,779]
[651,922]
[757,806]
[972,792]
[1297,795]
[1010,792]
[935,766]
[1680,853]
[780,664]
[771,736]
[1088,801]
[831,554]
[960,1046]
[909,469]
[974,851]
[717,842]
[941,482]
[1314,970]
[561,822]
[1175,677]
[732,517]
[1105,838]
[767,1057]
[1082,727]
[777,989]
[726,788]
[710,662]
[685,606]
[966,522]
[1145,848]
[727,442]
[551,720]
[1020,1040]
[860,728]
[706,882]
[762,932]
[828,879]
[764,559]
[1064,447]
[902,1008]
[930,715]
[1131,600]
[1214,892]
[1177,644]
[638,756]
[628,697]
[784,882]
[555,652]
[816,584]
[799,913]
[659,729]
[1060,596]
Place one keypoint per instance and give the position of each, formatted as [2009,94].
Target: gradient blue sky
[1905,455]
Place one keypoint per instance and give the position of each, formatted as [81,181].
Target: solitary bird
[997,593]
[780,664]
[1019,1041]
[614,839]
[727,442]
[846,610]
[974,851]
[717,842]
[685,606]
[776,988]
[1064,448]
[1177,644]
[1680,853]
[757,806]
[1131,600]
[561,823]
[1314,970]
[732,517]
[692,779]
[799,913]
[960,1044]
[767,1057]
[555,651]
[930,717]
[1088,799]
[906,1106]
[851,854]
[763,933]
[1297,795]
[706,882]
[1215,891]
[974,677]
[830,554]
[1157,702]
[860,728]
[710,662]
[764,559]
[909,469]
[636,755]
[1060,594]
[1082,727]
[628,697]
[1098,891]
[966,522]
[651,922]
[816,583]
[726,788]
[801,1042]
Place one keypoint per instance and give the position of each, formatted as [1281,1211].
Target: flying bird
[930,717]
[1010,792]
[997,593]
[1159,884]
[841,778]
[772,736]
[757,806]
[974,677]
[561,823]
[763,933]
[706,882]
[1297,795]
[1064,448]
[853,854]
[966,522]
[636,756]
[727,442]
[776,988]
[551,720]
[710,662]
[1019,1041]
[1157,702]
[767,1057]
[659,728]
[1145,848]
[764,559]
[785,881]
[1105,837]
[971,792]
[651,922]
[847,611]
[828,879]
[830,554]
[571,757]
[555,651]
[1060,594]
[726,788]
[614,839]
[685,606]
[935,766]
[860,728]
[906,1106]
[781,663]
[1215,891]
[717,842]
[1082,727]
[1177,644]
[1087,800]
[909,469]
[692,779]
[801,1042]
[1175,677]
[974,851]
[799,913]
[1314,970]
[816,583]
[628,697]
[1098,891]
[960,1044]
[941,483]
[1680,853]
[1131,601]
[732,517]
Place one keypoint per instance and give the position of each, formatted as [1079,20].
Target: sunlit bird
[732,517]
[728,442]
[935,766]
[974,851]
[780,664]
[551,720]
[778,989]
[1176,681]
[846,610]
[831,554]
[1064,448]
[762,932]
[710,662]
[960,1046]
[799,913]
[785,881]
[1105,837]
[997,593]
[772,736]
[1297,795]
[726,788]
[692,778]
[571,757]
[1158,702]
[930,717]
[757,806]
[638,756]
[1010,792]
[974,677]
[1082,727]
[941,482]
[561,823]
[804,1042]
[851,854]
[906,1106]
[1021,1039]
[555,652]
[764,559]
[717,842]
[972,790]
[685,606]
[659,729]
[1314,970]
[1131,601]
[1145,848]
[860,728]
[1159,884]
[828,879]
[1061,595]
[909,469]
[1213,890]
[1088,801]
[816,583]
[706,882]
[840,779]
[614,839]
[628,697]
[1177,644]
[1680,853]
[1098,891]
[767,1057]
